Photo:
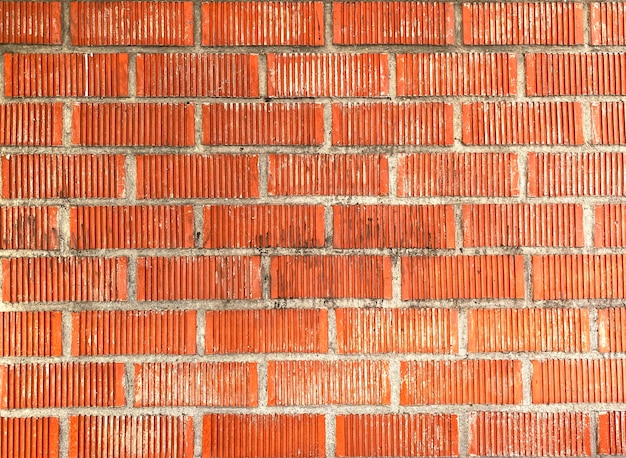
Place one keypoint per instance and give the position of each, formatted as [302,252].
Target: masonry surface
[312,229]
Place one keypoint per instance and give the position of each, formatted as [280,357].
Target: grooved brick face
[607,23]
[31,124]
[30,22]
[30,334]
[611,433]
[24,437]
[608,119]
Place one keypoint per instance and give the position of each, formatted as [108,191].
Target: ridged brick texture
[612,433]
[612,329]
[29,228]
[31,124]
[523,23]
[133,332]
[414,435]
[434,74]
[27,437]
[271,436]
[530,434]
[146,435]
[607,23]
[458,174]
[609,229]
[30,22]
[30,334]
[608,120]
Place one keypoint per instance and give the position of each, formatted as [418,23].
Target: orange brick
[392,123]
[31,124]
[226,384]
[131,23]
[612,329]
[198,278]
[434,74]
[523,123]
[393,226]
[462,277]
[612,433]
[316,75]
[328,382]
[398,435]
[608,20]
[133,124]
[146,435]
[61,385]
[458,174]
[376,330]
[248,226]
[162,176]
[133,332]
[609,229]
[330,277]
[461,382]
[578,276]
[30,334]
[270,436]
[578,380]
[531,330]
[66,75]
[608,121]
[30,22]
[28,437]
[266,331]
[29,228]
[72,279]
[577,174]
[282,23]
[530,434]
[523,23]
[145,226]
[328,174]
[523,225]
[197,75]
[393,22]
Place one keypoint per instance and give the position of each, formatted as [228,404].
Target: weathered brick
[608,122]
[610,225]
[29,228]
[30,334]
[607,23]
[30,22]
[612,329]
[612,433]
[31,124]
[28,437]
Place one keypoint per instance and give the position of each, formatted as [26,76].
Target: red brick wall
[312,228]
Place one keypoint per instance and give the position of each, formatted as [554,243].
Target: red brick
[328,174]
[394,22]
[61,385]
[328,382]
[393,226]
[530,434]
[137,226]
[29,228]
[462,277]
[608,20]
[29,437]
[578,276]
[251,226]
[522,123]
[377,330]
[458,174]
[528,330]
[30,334]
[134,332]
[392,123]
[434,74]
[461,382]
[182,176]
[609,229]
[612,433]
[66,75]
[197,75]
[131,23]
[266,331]
[71,279]
[126,436]
[270,436]
[608,121]
[575,74]
[578,380]
[226,384]
[387,435]
[198,278]
[263,124]
[523,225]
[577,174]
[45,176]
[612,329]
[316,75]
[523,23]
[31,124]
[30,22]
[263,23]
[330,277]
[133,124]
